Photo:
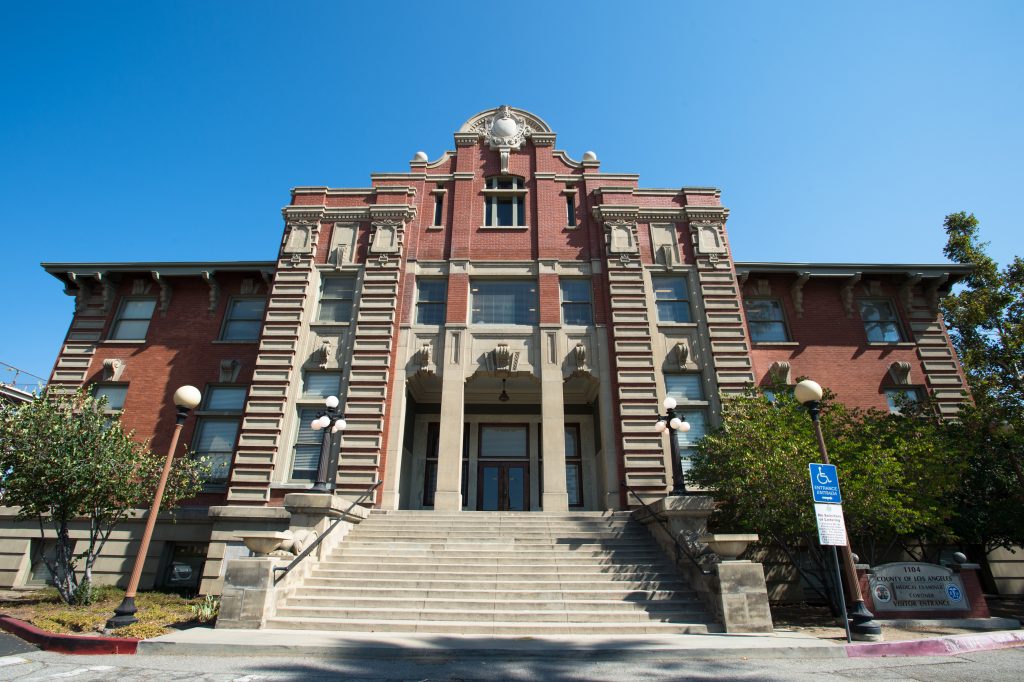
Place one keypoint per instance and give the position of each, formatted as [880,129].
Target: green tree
[896,474]
[66,462]
[985,318]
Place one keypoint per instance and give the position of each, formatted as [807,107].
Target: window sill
[300,486]
[330,324]
[690,325]
[123,342]
[777,344]
[572,227]
[233,341]
[504,227]
[435,228]
[891,344]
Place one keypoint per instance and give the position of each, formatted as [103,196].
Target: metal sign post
[828,510]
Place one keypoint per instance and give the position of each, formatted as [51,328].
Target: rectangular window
[114,393]
[764,315]
[570,209]
[225,398]
[244,319]
[438,209]
[431,301]
[215,442]
[898,398]
[307,447]
[504,302]
[684,387]
[321,384]
[505,203]
[672,299]
[576,307]
[573,466]
[430,470]
[881,324]
[132,321]
[336,297]
[504,442]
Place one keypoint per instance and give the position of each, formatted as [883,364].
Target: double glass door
[503,486]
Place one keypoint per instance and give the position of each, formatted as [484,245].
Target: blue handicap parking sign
[825,483]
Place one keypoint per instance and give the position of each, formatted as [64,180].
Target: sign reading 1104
[825,484]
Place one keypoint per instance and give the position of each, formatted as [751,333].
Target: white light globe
[325,421]
[670,403]
[315,425]
[660,426]
[807,391]
[675,423]
[331,401]
[188,397]
[684,426]
[339,425]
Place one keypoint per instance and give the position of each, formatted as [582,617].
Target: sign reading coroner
[910,586]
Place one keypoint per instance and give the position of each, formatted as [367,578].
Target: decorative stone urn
[728,546]
[263,542]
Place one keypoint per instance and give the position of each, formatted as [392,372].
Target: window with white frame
[504,302]
[688,390]
[505,202]
[767,323]
[881,323]
[672,299]
[114,393]
[431,301]
[132,320]
[244,319]
[337,295]
[899,398]
[438,209]
[218,420]
[576,307]
[318,385]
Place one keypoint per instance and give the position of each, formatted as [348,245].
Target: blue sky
[173,131]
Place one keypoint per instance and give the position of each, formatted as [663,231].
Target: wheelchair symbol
[822,477]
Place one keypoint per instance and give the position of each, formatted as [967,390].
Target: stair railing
[680,547]
[281,571]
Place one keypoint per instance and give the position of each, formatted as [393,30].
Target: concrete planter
[728,546]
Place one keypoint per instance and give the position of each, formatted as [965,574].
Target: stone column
[448,495]
[555,497]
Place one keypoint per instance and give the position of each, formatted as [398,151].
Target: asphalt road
[1005,664]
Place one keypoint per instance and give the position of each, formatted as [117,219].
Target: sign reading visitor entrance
[831,526]
[825,484]
[911,586]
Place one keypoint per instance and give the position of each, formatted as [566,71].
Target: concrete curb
[950,645]
[68,644]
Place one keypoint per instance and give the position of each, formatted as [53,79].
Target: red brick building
[501,325]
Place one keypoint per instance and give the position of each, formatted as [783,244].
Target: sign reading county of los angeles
[909,586]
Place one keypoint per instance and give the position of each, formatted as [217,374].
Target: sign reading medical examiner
[910,586]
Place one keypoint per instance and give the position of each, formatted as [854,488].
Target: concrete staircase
[513,573]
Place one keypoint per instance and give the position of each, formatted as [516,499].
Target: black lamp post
[671,421]
[862,622]
[329,421]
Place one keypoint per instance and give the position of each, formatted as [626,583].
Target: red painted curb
[68,644]
[939,646]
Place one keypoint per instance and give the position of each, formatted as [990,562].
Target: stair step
[494,615]
[563,582]
[494,594]
[490,628]
[421,603]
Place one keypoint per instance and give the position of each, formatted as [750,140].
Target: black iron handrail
[668,531]
[320,538]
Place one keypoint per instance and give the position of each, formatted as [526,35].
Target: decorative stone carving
[846,293]
[141,287]
[873,288]
[423,359]
[113,368]
[932,293]
[229,371]
[683,356]
[709,237]
[300,237]
[82,292]
[108,291]
[780,372]
[504,360]
[323,354]
[621,237]
[907,290]
[741,278]
[343,240]
[579,357]
[668,255]
[761,287]
[505,128]
[250,286]
[798,293]
[899,372]
[214,290]
[165,291]
[386,237]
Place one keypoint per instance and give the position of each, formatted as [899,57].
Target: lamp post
[671,421]
[330,422]
[862,624]
[186,398]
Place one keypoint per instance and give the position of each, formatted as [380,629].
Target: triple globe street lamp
[673,421]
[330,421]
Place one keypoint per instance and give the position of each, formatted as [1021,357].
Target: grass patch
[158,612]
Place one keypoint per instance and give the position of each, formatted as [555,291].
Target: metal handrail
[668,531]
[320,538]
